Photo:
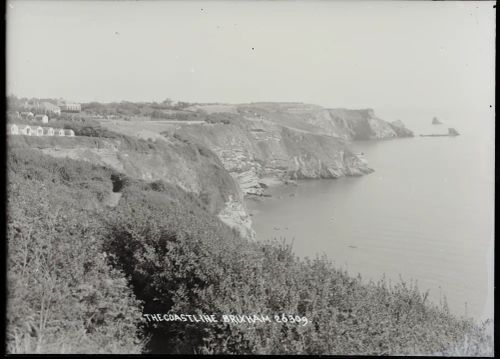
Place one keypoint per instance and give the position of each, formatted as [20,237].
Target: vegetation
[166,110]
[81,274]
[163,110]
[63,297]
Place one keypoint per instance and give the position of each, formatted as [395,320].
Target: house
[69,133]
[59,132]
[42,118]
[38,131]
[71,107]
[48,131]
[14,130]
[25,130]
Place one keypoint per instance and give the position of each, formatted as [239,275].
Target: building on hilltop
[71,107]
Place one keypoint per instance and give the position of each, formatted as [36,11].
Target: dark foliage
[74,263]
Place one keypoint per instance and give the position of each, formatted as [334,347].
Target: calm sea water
[426,214]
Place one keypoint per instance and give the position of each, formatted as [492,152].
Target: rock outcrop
[251,150]
[288,141]
[435,121]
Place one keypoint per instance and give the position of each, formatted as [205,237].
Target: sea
[426,215]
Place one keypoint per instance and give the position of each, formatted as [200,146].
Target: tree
[167,102]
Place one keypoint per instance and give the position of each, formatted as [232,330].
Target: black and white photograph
[263,177]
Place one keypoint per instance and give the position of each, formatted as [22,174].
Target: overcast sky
[404,55]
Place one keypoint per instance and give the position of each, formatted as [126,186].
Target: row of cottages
[71,107]
[27,130]
[49,108]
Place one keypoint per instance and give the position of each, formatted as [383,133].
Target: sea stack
[435,121]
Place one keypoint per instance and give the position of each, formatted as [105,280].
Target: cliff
[287,140]
[253,150]
[342,123]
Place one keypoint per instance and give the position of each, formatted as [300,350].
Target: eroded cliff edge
[281,141]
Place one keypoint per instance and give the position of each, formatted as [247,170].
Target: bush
[77,271]
[182,261]
[62,294]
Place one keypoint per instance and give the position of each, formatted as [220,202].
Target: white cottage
[14,130]
[48,131]
[59,132]
[69,133]
[26,130]
[39,131]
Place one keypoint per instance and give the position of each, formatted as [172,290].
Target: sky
[391,56]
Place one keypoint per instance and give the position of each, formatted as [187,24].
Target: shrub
[80,273]
[62,294]
[182,261]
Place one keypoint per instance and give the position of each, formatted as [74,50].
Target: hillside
[81,273]
[221,151]
[189,166]
[348,124]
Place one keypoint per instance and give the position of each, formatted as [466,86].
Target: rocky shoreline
[261,146]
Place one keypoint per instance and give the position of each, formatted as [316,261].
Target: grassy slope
[76,271]
[175,161]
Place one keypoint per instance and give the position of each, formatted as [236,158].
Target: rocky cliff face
[288,141]
[341,123]
[255,150]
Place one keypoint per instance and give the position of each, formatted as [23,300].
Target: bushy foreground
[80,276]
[63,296]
